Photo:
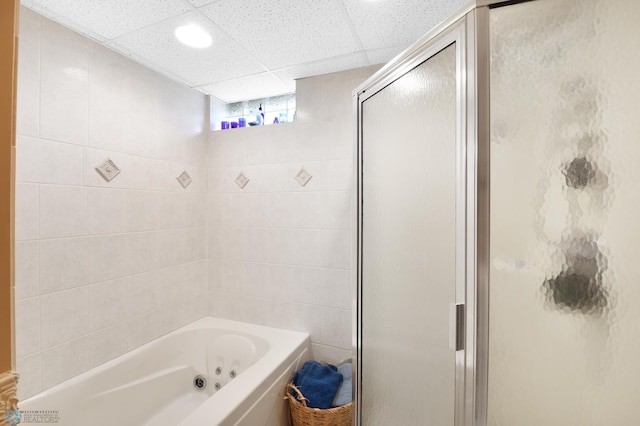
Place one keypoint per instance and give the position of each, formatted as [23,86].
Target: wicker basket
[301,415]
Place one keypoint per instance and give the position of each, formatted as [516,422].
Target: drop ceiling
[259,46]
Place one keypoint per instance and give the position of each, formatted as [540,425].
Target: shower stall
[496,241]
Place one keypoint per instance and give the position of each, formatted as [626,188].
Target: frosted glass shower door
[408,253]
[564,338]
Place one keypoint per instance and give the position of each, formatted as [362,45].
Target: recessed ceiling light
[193,36]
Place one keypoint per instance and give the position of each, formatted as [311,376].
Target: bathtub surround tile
[30,368]
[166,319]
[191,310]
[106,126]
[142,252]
[173,317]
[195,211]
[336,327]
[142,211]
[280,251]
[330,354]
[197,277]
[64,316]
[63,211]
[215,210]
[106,307]
[106,211]
[109,76]
[223,305]
[64,62]
[168,110]
[147,174]
[144,293]
[64,361]
[27,265]
[141,134]
[43,161]
[172,210]
[171,244]
[144,328]
[298,210]
[320,248]
[63,264]
[108,257]
[107,343]
[29,45]
[183,282]
[290,283]
[336,288]
[181,246]
[305,318]
[64,116]
[27,317]
[329,175]
[28,105]
[196,244]
[27,223]
[171,143]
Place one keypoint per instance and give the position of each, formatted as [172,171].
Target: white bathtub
[154,384]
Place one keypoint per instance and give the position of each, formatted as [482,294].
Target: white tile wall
[28,118]
[27,275]
[63,264]
[64,116]
[106,210]
[43,161]
[280,253]
[27,326]
[63,316]
[27,225]
[102,267]
[62,211]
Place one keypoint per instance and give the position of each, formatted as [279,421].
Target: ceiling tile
[260,47]
[106,19]
[340,63]
[384,55]
[199,3]
[256,86]
[386,23]
[157,46]
[281,33]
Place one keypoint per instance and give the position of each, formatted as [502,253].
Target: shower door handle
[456,326]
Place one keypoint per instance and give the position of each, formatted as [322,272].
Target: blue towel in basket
[344,395]
[318,383]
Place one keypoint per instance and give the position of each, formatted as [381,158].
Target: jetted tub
[245,366]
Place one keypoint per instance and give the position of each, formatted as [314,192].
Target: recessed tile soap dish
[108,170]
[242,180]
[184,179]
[303,177]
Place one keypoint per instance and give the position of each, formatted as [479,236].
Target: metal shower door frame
[469,30]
